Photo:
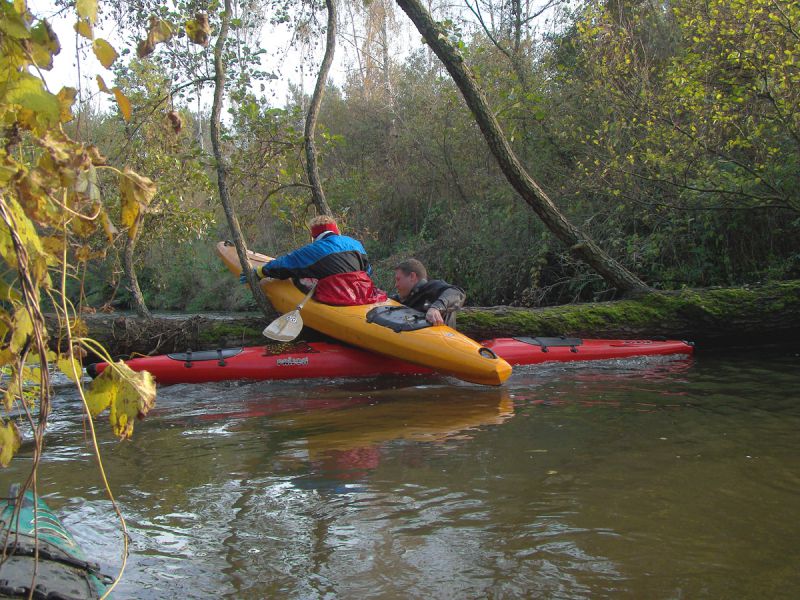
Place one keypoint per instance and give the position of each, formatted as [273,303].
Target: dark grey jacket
[436,294]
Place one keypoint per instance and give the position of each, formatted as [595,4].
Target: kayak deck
[28,527]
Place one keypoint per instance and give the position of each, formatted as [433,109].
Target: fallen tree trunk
[709,317]
[722,317]
[127,335]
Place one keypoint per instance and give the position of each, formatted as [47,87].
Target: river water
[646,478]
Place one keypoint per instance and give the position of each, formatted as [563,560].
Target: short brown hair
[412,265]
[321,220]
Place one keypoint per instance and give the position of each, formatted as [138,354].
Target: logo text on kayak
[292,362]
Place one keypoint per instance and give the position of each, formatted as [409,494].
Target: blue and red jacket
[340,264]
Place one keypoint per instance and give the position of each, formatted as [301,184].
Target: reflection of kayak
[385,327]
[62,571]
[426,418]
[320,359]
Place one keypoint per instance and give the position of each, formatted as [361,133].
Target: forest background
[669,132]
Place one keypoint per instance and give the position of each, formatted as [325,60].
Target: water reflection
[665,480]
[343,444]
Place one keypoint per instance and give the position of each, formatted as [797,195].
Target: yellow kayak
[385,327]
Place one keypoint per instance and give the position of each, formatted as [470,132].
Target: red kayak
[321,359]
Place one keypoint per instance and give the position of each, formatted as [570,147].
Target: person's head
[407,274]
[322,223]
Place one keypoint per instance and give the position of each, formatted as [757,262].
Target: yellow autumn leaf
[198,29]
[104,52]
[79,327]
[98,160]
[9,294]
[159,30]
[26,232]
[5,323]
[21,329]
[66,366]
[123,103]
[84,227]
[9,168]
[53,244]
[66,98]
[44,45]
[10,441]
[13,390]
[136,187]
[126,393]
[28,91]
[14,24]
[87,9]
[7,247]
[31,375]
[108,227]
[102,85]
[84,28]
[135,192]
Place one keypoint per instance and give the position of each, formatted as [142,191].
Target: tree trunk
[317,193]
[222,171]
[130,273]
[721,317]
[713,318]
[578,243]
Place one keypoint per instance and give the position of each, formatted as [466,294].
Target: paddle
[287,327]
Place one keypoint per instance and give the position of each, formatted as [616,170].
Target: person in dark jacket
[436,298]
[338,263]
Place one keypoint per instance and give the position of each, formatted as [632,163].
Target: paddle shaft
[307,296]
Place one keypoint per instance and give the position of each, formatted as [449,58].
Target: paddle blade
[285,328]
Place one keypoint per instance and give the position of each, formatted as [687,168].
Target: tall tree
[221,162]
[578,243]
[317,193]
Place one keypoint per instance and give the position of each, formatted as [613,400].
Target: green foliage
[669,133]
[687,151]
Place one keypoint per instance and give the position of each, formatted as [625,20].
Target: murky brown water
[634,479]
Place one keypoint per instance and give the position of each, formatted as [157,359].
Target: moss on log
[753,315]
[711,317]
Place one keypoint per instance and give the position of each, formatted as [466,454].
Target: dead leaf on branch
[198,29]
[158,32]
[136,192]
[175,121]
[128,395]
[44,45]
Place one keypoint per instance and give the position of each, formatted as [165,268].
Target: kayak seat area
[397,318]
[220,355]
[552,342]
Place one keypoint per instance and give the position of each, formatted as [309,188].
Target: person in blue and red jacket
[338,263]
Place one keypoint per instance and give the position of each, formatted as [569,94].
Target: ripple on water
[628,479]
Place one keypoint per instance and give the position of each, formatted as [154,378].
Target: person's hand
[243,275]
[434,316]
